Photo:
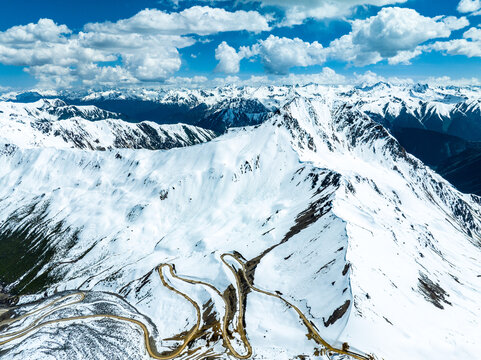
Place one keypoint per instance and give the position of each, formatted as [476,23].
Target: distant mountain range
[449,110]
[433,123]
[53,123]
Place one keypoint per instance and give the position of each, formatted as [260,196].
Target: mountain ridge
[346,221]
[51,122]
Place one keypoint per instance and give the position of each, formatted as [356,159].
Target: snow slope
[53,123]
[447,109]
[325,206]
[450,110]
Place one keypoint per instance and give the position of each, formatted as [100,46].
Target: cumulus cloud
[446,80]
[469,45]
[43,30]
[56,50]
[51,75]
[370,78]
[469,6]
[182,81]
[404,57]
[229,59]
[201,20]
[473,34]
[299,10]
[153,66]
[393,34]
[459,47]
[93,74]
[143,48]
[278,54]
[326,77]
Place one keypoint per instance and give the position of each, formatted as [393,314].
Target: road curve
[30,313]
[195,329]
[34,325]
[152,352]
[308,324]
[240,326]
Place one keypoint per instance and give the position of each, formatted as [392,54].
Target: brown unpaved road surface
[182,351]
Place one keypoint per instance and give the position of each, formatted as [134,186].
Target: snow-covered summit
[53,123]
[423,106]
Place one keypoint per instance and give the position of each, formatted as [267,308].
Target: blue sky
[147,43]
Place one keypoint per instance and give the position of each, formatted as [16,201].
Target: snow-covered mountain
[453,111]
[216,109]
[53,123]
[334,233]
[448,109]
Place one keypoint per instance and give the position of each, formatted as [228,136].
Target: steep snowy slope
[325,211]
[449,110]
[53,123]
[216,109]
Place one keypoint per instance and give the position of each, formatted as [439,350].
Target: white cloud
[459,47]
[326,77]
[229,59]
[404,57]
[278,54]
[299,10]
[201,20]
[228,80]
[446,80]
[153,66]
[183,81]
[469,46]
[473,34]
[132,41]
[370,78]
[43,30]
[92,75]
[51,75]
[143,48]
[469,6]
[453,22]
[394,33]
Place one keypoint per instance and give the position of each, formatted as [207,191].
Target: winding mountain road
[306,322]
[194,332]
